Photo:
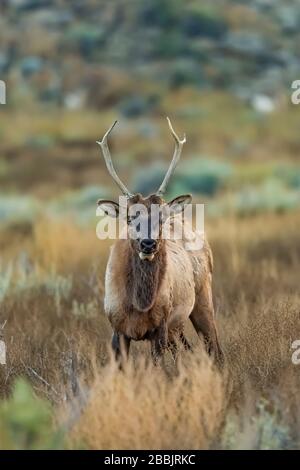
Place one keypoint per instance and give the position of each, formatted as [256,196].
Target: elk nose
[148,244]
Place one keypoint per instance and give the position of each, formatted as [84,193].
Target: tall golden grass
[141,408]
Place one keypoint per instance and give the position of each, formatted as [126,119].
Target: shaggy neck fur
[144,278]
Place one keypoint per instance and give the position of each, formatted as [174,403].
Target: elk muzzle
[148,248]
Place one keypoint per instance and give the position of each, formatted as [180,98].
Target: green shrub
[262,431]
[271,196]
[17,208]
[137,105]
[204,176]
[81,204]
[41,142]
[204,22]
[170,44]
[149,180]
[26,421]
[185,72]
[84,38]
[23,278]
[197,175]
[5,280]
[80,199]
[291,175]
[160,13]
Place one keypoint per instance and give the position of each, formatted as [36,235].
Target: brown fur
[143,280]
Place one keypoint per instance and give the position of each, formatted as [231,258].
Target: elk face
[146,218]
[145,215]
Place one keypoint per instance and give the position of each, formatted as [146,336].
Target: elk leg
[204,323]
[185,342]
[159,342]
[155,353]
[120,345]
[173,348]
[173,344]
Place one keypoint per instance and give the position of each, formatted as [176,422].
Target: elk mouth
[146,256]
[147,248]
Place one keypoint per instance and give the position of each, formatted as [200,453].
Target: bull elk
[152,284]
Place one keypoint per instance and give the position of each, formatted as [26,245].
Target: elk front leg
[173,344]
[159,342]
[185,342]
[120,345]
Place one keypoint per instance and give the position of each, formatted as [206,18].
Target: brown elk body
[154,285]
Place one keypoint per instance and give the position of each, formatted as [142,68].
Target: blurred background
[222,71]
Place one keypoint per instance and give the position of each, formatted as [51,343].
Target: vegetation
[58,288]
[26,422]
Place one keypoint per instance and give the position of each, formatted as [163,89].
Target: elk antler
[109,164]
[177,152]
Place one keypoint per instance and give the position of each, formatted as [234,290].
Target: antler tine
[176,156]
[109,164]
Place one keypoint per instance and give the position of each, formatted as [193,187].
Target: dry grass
[142,408]
[66,247]
[56,331]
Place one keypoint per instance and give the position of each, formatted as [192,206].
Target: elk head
[145,216]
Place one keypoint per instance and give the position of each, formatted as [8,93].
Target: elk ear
[110,208]
[177,205]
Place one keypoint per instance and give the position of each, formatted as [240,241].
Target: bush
[186,71]
[196,175]
[85,38]
[136,105]
[5,281]
[24,278]
[80,204]
[148,181]
[262,431]
[203,176]
[17,208]
[170,44]
[26,421]
[160,13]
[82,199]
[204,22]
[291,175]
[271,196]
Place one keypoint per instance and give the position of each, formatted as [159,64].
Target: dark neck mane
[144,278]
